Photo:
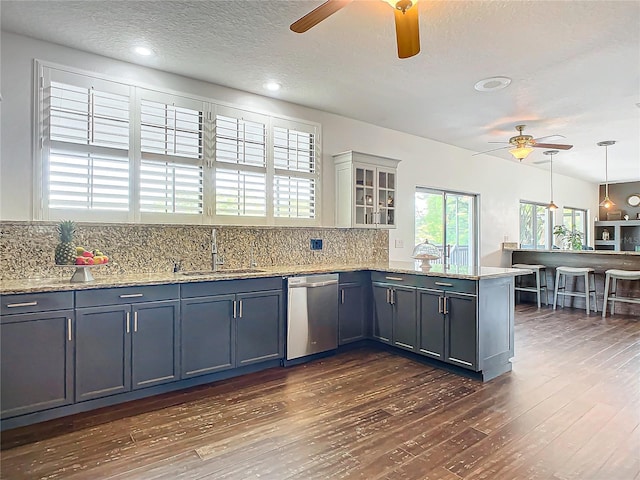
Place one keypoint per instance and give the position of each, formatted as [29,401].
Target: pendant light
[606,203]
[552,206]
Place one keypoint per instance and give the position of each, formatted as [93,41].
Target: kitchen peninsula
[124,337]
[599,260]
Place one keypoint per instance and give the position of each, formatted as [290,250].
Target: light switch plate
[399,243]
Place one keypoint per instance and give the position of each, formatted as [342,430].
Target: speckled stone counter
[57,284]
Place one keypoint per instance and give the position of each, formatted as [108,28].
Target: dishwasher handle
[313,284]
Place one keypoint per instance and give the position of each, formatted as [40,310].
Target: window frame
[574,211]
[138,91]
[548,218]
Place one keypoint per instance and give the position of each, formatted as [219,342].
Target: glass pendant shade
[552,206]
[521,152]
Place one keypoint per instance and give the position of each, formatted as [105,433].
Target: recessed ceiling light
[272,86]
[492,84]
[144,51]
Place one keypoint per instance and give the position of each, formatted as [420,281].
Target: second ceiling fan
[406,17]
[522,145]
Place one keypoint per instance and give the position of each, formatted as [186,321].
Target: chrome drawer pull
[398,279]
[25,304]
[132,295]
[444,284]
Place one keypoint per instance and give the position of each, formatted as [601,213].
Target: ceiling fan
[522,145]
[406,15]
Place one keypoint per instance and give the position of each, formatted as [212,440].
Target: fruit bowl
[82,273]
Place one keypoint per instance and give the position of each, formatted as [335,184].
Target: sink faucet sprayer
[214,252]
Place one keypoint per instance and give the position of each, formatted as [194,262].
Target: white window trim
[212,105]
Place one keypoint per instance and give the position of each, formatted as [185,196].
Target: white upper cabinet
[365,190]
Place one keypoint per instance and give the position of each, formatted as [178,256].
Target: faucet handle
[177,266]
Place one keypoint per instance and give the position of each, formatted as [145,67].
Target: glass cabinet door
[365,196]
[386,198]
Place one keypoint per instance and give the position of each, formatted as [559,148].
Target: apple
[81,261]
[87,254]
[89,260]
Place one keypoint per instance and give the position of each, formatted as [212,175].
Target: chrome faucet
[215,261]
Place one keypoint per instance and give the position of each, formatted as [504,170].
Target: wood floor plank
[570,409]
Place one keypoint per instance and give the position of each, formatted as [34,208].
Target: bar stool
[541,281]
[589,285]
[612,297]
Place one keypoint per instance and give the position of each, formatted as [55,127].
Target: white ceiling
[575,65]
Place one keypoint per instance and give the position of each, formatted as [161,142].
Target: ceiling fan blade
[548,136]
[318,14]
[407,32]
[487,151]
[552,145]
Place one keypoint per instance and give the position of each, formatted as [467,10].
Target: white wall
[427,163]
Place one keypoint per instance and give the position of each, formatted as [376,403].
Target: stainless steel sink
[221,272]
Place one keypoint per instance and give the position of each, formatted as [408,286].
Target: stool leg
[614,294]
[606,295]
[555,290]
[595,296]
[587,295]
[538,286]
[546,289]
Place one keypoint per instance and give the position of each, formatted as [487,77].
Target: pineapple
[65,250]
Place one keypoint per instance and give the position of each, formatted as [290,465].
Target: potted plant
[570,238]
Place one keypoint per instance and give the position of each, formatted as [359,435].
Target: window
[535,229]
[294,184]
[111,151]
[575,219]
[86,134]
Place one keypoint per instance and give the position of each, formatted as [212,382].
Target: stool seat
[611,280]
[589,285]
[574,270]
[624,274]
[528,267]
[541,281]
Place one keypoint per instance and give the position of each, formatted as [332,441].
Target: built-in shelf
[624,235]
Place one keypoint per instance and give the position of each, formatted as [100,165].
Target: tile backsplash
[27,248]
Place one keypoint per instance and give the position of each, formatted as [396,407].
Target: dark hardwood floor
[570,409]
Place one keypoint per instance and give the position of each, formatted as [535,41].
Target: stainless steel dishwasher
[312,314]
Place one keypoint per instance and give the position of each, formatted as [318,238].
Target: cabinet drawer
[225,287]
[125,295]
[36,302]
[394,278]
[449,284]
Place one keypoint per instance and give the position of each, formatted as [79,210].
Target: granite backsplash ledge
[27,248]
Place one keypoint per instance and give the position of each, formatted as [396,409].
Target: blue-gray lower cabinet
[207,335]
[125,347]
[431,324]
[36,357]
[354,306]
[259,327]
[461,330]
[395,315]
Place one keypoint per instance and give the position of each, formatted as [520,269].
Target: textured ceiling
[575,65]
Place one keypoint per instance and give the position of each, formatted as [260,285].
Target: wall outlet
[399,243]
[316,244]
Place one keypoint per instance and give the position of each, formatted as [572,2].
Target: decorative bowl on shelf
[425,252]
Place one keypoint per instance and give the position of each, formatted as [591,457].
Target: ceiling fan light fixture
[521,152]
[402,5]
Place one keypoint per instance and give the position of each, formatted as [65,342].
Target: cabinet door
[351,313]
[382,313]
[207,337]
[386,197]
[103,351]
[259,326]
[404,319]
[365,196]
[36,356]
[462,332]
[430,324]
[154,343]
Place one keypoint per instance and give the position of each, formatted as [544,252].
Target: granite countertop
[32,285]
[577,252]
